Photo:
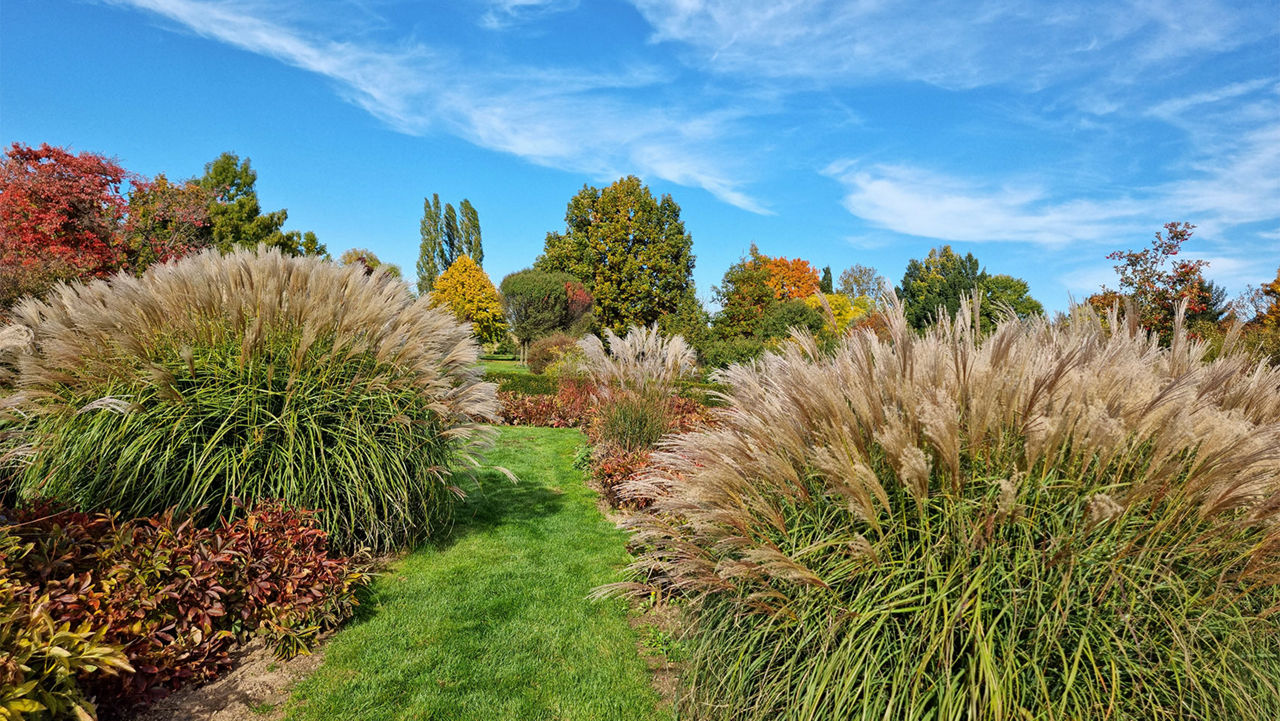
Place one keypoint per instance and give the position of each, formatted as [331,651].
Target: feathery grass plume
[642,361]
[1054,521]
[252,375]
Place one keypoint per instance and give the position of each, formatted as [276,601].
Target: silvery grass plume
[1055,521]
[250,375]
[643,360]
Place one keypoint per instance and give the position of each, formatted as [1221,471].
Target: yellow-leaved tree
[843,309]
[466,290]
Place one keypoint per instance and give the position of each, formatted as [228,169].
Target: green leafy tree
[369,260]
[860,280]
[469,229]
[445,238]
[539,302]
[630,249]
[944,278]
[784,315]
[941,280]
[824,285]
[236,219]
[744,296]
[1009,291]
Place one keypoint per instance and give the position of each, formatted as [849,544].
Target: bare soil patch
[255,688]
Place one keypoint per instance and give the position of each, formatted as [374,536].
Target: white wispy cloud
[1173,108]
[383,82]
[928,204]
[948,44]
[567,119]
[504,13]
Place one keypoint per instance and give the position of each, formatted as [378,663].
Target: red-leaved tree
[65,216]
[60,215]
[165,221]
[62,207]
[1156,282]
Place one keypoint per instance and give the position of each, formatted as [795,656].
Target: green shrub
[252,375]
[521,382]
[724,352]
[548,350]
[781,317]
[1052,522]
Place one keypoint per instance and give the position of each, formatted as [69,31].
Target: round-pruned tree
[539,303]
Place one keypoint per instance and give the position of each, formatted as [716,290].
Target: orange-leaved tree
[466,289]
[791,279]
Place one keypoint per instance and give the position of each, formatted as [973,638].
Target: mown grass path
[494,623]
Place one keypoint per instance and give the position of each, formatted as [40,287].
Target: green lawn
[504,366]
[494,623]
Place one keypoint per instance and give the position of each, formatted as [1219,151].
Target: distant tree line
[624,258]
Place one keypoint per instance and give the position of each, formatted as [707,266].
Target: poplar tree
[470,228]
[445,238]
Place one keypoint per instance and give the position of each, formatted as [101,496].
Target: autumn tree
[630,250]
[61,207]
[369,260]
[1270,315]
[791,279]
[445,237]
[844,310]
[236,219]
[466,289]
[1156,283]
[165,220]
[60,216]
[539,303]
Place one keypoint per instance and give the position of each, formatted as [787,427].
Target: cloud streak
[951,45]
[927,204]
[575,121]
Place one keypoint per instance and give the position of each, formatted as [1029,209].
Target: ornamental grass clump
[1054,521]
[642,361]
[248,376]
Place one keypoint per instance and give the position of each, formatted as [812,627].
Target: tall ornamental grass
[642,361]
[252,375]
[1057,521]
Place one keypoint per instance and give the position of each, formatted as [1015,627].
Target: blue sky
[1039,136]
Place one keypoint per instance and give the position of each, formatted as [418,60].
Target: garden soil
[255,689]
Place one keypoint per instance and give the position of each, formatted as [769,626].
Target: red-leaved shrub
[572,406]
[177,597]
[611,466]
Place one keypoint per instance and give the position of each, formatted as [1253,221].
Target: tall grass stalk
[251,375]
[1055,521]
